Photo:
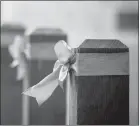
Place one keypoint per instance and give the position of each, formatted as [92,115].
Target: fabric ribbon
[20,52]
[66,61]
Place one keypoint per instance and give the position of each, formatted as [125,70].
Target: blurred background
[46,22]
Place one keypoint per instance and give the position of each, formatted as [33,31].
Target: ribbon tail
[42,94]
[44,89]
[61,84]
[62,75]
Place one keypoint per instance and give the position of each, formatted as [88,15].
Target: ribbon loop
[56,65]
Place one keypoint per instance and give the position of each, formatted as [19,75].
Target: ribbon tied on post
[66,61]
[20,52]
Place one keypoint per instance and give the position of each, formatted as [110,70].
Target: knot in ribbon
[20,52]
[66,61]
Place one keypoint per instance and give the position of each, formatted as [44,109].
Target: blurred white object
[20,51]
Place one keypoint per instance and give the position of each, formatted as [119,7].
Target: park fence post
[43,58]
[98,94]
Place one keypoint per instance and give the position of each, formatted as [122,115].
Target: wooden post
[102,84]
[43,57]
[11,89]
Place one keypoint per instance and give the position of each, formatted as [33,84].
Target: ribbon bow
[20,51]
[66,59]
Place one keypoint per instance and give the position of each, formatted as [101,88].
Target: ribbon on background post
[66,61]
[20,52]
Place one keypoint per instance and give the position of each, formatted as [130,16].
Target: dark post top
[102,46]
[42,42]
[102,57]
[47,35]
[12,27]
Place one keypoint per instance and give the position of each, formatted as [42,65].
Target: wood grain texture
[103,100]
[101,44]
[103,64]
[102,83]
